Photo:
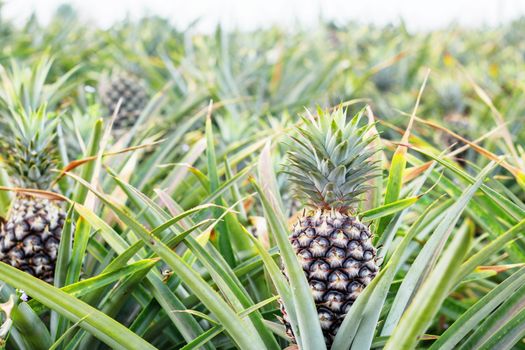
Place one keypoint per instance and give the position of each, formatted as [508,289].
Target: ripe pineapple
[134,99]
[30,236]
[329,165]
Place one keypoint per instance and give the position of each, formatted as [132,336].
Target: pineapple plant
[30,236]
[329,165]
[133,96]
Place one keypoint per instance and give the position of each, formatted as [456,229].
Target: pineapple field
[347,186]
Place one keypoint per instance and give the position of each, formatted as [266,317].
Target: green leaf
[398,165]
[65,335]
[203,338]
[64,251]
[430,296]
[388,209]
[360,322]
[509,335]
[479,312]
[236,327]
[88,169]
[29,324]
[80,243]
[394,183]
[503,328]
[224,242]
[101,326]
[215,264]
[5,196]
[491,248]
[310,335]
[89,285]
[430,252]
[268,180]
[184,323]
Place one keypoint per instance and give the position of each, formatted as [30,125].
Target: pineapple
[30,236]
[329,165]
[133,95]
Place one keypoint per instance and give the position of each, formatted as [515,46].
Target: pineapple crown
[28,132]
[26,86]
[28,146]
[330,160]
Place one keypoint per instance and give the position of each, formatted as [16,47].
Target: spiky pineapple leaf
[92,284]
[309,334]
[388,209]
[211,259]
[429,253]
[479,312]
[372,299]
[28,322]
[329,161]
[429,297]
[97,323]
[241,332]
[503,328]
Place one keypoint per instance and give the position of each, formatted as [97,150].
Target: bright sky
[249,14]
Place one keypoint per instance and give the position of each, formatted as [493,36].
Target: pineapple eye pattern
[337,267]
[134,98]
[29,239]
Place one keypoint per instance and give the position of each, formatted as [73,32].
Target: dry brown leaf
[76,163]
[512,169]
[414,172]
[36,193]
[499,268]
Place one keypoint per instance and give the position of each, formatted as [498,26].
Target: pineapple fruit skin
[338,259]
[133,95]
[30,237]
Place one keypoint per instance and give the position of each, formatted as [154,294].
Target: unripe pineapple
[30,236]
[133,95]
[329,165]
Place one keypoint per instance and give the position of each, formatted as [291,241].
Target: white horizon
[253,14]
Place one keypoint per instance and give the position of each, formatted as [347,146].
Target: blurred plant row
[158,162]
